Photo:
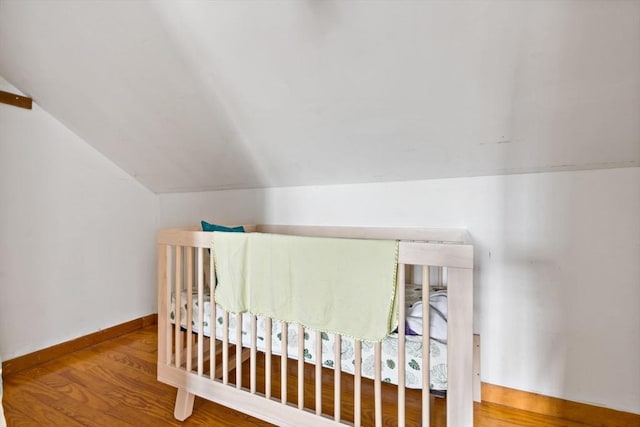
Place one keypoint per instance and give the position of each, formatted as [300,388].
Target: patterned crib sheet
[389,371]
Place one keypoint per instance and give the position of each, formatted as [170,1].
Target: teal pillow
[215,227]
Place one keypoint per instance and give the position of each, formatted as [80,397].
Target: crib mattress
[389,371]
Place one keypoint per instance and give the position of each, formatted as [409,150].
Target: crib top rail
[418,246]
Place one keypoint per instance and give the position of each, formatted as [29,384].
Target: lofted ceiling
[194,96]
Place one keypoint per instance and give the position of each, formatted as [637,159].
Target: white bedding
[414,363]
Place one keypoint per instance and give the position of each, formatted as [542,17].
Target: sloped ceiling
[191,96]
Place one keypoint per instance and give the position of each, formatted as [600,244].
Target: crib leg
[184,404]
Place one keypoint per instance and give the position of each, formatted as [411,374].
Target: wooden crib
[261,385]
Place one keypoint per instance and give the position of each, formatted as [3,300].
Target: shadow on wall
[548,319]
[138,58]
[226,160]
[532,287]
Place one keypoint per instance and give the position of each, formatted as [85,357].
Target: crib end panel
[164,301]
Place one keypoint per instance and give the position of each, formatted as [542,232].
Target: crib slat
[225,347]
[178,306]
[300,367]
[200,274]
[357,386]
[238,350]
[378,383]
[212,320]
[426,346]
[267,358]
[318,373]
[337,380]
[189,356]
[165,332]
[401,345]
[170,344]
[283,362]
[254,339]
[460,347]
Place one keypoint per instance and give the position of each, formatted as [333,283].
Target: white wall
[557,264]
[266,94]
[76,236]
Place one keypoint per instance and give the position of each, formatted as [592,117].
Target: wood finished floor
[114,384]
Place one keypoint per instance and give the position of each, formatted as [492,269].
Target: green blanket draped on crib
[345,286]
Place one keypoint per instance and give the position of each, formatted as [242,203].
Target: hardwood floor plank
[114,384]
[130,358]
[490,414]
[44,406]
[16,417]
[565,409]
[53,352]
